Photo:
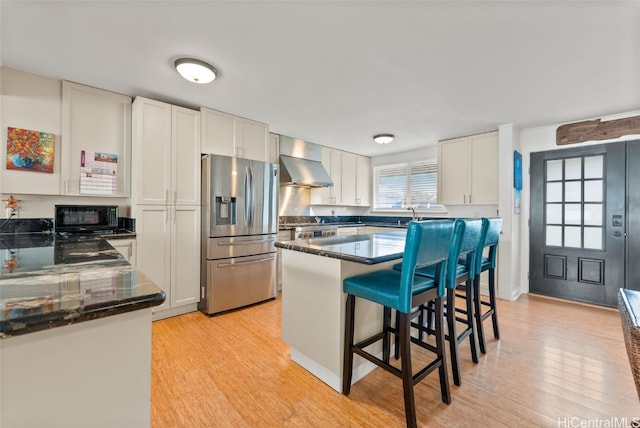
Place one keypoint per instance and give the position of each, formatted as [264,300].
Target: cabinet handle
[464,199]
[469,197]
[166,196]
[175,197]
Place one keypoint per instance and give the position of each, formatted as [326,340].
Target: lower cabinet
[126,247]
[168,252]
[283,235]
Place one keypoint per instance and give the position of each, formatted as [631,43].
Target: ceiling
[338,72]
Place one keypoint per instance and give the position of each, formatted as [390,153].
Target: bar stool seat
[427,244]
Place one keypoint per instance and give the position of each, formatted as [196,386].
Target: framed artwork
[517,170]
[30,150]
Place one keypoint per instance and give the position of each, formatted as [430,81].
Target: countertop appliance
[319,230]
[86,218]
[239,229]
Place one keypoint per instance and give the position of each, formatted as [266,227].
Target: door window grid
[574,202]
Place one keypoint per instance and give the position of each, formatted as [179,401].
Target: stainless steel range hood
[300,164]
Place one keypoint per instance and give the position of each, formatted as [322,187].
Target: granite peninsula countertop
[50,281]
[366,248]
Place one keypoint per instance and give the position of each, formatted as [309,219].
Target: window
[399,186]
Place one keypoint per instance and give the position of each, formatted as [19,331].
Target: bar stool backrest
[491,241]
[471,235]
[427,244]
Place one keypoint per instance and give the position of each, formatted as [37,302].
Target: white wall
[34,102]
[541,139]
[509,286]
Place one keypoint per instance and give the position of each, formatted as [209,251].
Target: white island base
[91,374]
[313,314]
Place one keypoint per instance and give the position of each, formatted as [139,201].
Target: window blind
[401,185]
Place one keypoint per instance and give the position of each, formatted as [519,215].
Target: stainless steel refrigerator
[239,229]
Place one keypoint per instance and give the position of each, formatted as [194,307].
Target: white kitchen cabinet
[283,235]
[166,154]
[363,181]
[168,252]
[468,170]
[351,176]
[166,201]
[95,121]
[332,162]
[229,135]
[350,230]
[126,247]
[348,178]
[274,152]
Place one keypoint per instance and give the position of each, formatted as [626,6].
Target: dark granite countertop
[291,226]
[367,248]
[49,281]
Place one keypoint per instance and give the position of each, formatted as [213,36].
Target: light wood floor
[555,361]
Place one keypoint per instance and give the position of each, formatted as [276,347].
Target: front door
[578,223]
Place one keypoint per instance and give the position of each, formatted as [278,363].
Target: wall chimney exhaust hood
[300,164]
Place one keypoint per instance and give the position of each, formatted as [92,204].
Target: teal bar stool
[483,264]
[427,244]
[459,282]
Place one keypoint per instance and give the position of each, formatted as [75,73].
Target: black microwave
[85,218]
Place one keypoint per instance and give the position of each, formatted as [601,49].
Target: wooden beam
[595,130]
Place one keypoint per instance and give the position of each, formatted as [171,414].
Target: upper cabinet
[274,144]
[351,176]
[96,142]
[166,154]
[225,134]
[468,170]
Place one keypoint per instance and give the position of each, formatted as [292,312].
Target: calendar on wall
[98,173]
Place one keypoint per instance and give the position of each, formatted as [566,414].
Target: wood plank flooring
[557,364]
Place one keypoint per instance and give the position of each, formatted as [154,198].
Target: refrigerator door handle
[247,195]
[232,244]
[252,191]
[250,262]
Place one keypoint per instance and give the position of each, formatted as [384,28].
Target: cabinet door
[453,172]
[324,195]
[348,178]
[126,247]
[152,151]
[274,152]
[218,132]
[484,169]
[251,140]
[363,181]
[95,121]
[336,176]
[185,169]
[185,258]
[153,242]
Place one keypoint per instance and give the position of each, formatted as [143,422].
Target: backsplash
[46,225]
[26,225]
[367,219]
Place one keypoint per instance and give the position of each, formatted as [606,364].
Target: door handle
[228,265]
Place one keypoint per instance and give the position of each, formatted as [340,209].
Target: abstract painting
[30,150]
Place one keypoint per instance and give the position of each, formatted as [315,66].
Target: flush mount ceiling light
[383,138]
[195,71]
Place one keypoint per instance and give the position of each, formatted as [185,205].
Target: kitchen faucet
[413,211]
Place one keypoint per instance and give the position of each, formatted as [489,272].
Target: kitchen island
[313,304]
[75,334]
